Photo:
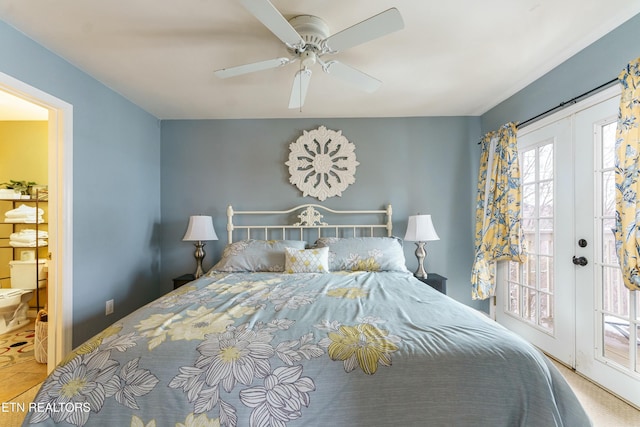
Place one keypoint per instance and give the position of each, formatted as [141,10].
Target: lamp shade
[420,229]
[200,228]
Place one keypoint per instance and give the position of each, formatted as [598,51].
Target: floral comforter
[273,349]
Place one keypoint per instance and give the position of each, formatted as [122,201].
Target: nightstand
[185,278]
[436,281]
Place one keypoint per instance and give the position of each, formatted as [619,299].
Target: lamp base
[199,254]
[421,254]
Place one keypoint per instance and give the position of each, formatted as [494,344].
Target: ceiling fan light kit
[307,39]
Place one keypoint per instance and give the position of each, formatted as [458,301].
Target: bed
[329,329]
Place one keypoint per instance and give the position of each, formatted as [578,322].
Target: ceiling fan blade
[250,68]
[271,18]
[299,88]
[377,26]
[352,76]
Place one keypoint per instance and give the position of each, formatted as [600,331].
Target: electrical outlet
[108,307]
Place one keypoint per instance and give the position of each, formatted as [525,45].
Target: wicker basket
[40,341]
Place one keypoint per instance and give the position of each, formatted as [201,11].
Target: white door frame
[60,285]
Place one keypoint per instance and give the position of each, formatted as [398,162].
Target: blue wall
[416,164]
[116,185]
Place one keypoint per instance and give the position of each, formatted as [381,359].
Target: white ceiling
[457,57]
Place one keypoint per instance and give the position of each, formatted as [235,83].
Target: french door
[568,298]
[535,299]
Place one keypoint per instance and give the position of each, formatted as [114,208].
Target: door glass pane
[608,145]
[616,340]
[546,274]
[546,236]
[546,199]
[531,305]
[609,193]
[546,162]
[529,205]
[531,241]
[615,296]
[530,285]
[609,256]
[618,308]
[531,270]
[528,172]
[514,299]
[546,311]
[529,225]
[514,272]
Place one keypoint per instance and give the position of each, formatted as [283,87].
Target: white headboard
[310,220]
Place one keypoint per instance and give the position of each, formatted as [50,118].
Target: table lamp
[420,230]
[200,229]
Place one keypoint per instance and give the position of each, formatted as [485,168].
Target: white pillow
[314,260]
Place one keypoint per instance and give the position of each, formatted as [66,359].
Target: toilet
[14,304]
[14,301]
[23,274]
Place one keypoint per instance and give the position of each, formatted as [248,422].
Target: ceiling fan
[307,39]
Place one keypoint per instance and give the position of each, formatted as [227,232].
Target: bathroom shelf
[38,227]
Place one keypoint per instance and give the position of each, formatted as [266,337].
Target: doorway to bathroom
[59,119]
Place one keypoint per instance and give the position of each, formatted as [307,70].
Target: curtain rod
[566,103]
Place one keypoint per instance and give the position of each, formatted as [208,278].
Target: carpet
[605,409]
[16,409]
[17,346]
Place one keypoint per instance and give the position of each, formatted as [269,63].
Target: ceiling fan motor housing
[313,31]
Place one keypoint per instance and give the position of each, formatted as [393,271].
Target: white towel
[23,239]
[27,238]
[25,220]
[23,211]
[28,234]
[27,245]
[31,232]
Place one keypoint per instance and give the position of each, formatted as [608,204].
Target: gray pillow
[256,255]
[364,253]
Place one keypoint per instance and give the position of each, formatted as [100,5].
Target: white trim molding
[60,164]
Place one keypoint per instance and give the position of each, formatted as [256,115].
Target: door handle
[582,261]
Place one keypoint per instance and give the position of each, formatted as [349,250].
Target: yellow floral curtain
[627,233]
[498,214]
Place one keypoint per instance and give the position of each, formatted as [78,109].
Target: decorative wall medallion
[322,163]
